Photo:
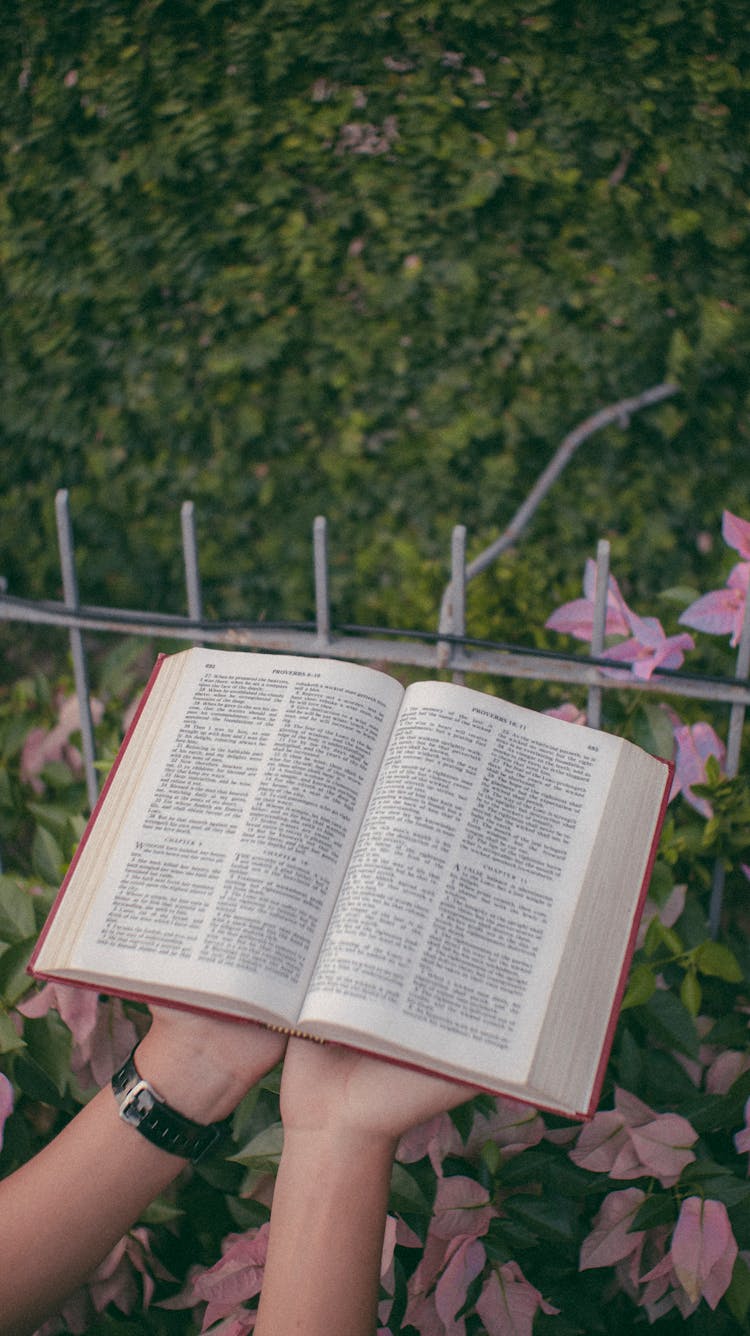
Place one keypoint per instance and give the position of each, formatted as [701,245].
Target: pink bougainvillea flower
[103,1035]
[43,746]
[125,1278]
[466,1259]
[695,743]
[742,1139]
[238,1324]
[6,1103]
[437,1138]
[461,1214]
[77,1007]
[570,712]
[114,1036]
[724,1070]
[648,648]
[722,611]
[115,1279]
[462,1206]
[508,1303]
[513,1127]
[736,533]
[700,1261]
[631,1141]
[224,1287]
[611,1240]
[396,1231]
[577,618]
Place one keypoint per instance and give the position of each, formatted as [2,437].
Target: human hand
[203,1065]
[326,1088]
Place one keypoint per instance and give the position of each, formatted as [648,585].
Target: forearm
[323,1267]
[62,1212]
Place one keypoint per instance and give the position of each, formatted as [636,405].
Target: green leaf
[10,1040]
[550,1217]
[47,1057]
[737,1297]
[16,911]
[715,959]
[658,1209]
[653,730]
[406,1196]
[691,993]
[47,858]
[641,986]
[670,1023]
[263,1151]
[658,936]
[160,1212]
[14,977]
[661,884]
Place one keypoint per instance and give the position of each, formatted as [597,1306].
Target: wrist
[190,1077]
[344,1150]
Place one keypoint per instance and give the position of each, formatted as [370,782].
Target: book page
[452,918]
[227,865]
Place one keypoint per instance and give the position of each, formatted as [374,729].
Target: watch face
[138,1102]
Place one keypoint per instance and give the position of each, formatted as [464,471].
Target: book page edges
[90,824]
[582,1052]
[622,982]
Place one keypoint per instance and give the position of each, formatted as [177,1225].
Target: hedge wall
[299,256]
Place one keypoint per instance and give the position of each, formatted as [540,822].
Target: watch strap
[143,1108]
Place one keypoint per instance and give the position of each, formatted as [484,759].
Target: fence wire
[447,648]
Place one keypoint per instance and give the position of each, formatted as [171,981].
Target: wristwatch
[143,1108]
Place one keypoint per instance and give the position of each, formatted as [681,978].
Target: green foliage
[289,258]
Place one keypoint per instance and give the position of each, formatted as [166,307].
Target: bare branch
[617,412]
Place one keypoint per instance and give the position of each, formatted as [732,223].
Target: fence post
[320,572]
[77,647]
[458,585]
[732,764]
[599,629]
[190,559]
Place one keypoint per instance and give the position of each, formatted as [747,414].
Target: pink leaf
[649,648]
[577,618]
[437,1138]
[77,1007]
[464,1266]
[237,1276]
[663,1147]
[6,1103]
[722,611]
[462,1206]
[237,1324]
[571,713]
[704,1249]
[695,743]
[609,1241]
[43,747]
[508,1303]
[422,1314]
[112,1039]
[736,533]
[600,1142]
[725,1069]
[513,1127]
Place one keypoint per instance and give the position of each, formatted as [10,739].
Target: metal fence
[447,649]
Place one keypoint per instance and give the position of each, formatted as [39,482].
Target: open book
[431,874]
